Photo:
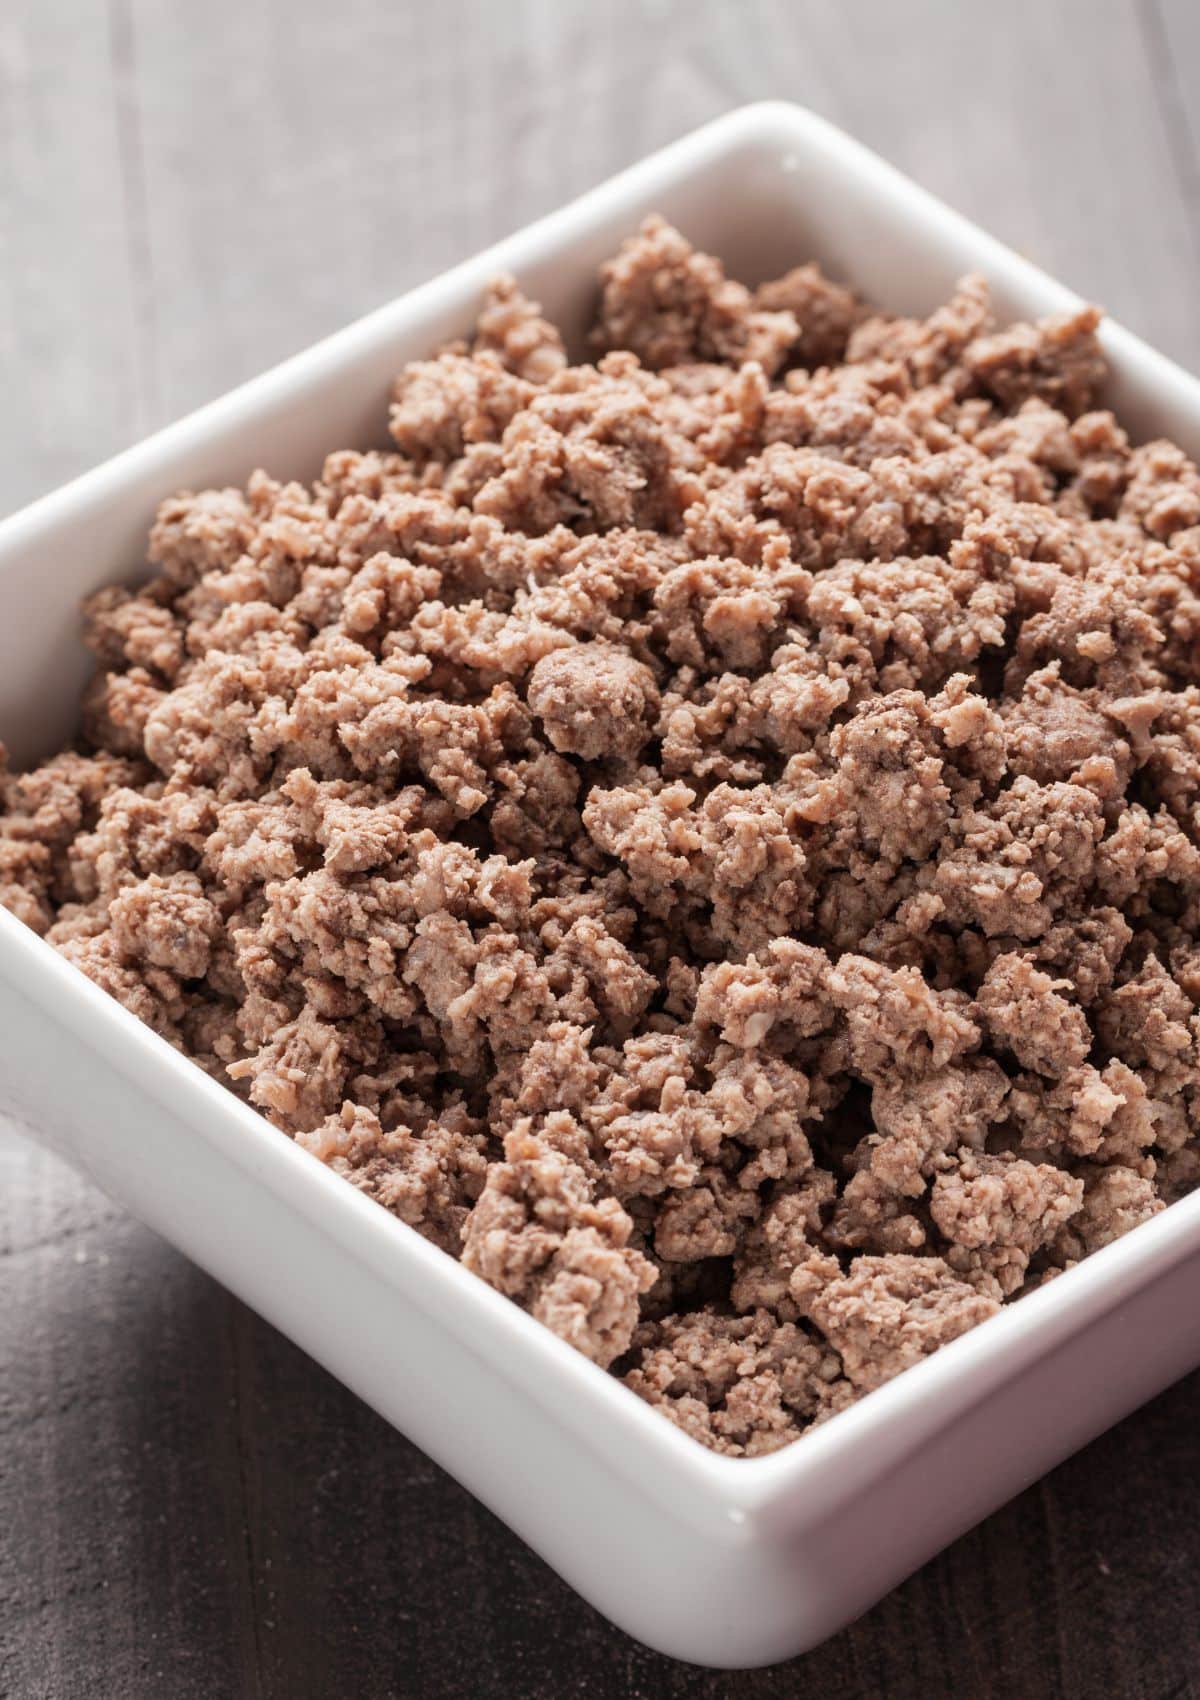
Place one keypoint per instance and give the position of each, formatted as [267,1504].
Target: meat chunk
[920,1121]
[429,1177]
[669,304]
[537,1234]
[890,1312]
[166,922]
[742,1385]
[895,1024]
[1028,1018]
[990,1205]
[1114,1201]
[594,701]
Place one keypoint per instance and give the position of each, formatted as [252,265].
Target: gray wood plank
[1171,33]
[71,352]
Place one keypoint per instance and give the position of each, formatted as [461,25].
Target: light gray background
[191,190]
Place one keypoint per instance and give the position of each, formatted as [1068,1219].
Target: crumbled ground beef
[711,838]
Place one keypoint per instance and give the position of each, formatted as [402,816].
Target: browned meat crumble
[708,837]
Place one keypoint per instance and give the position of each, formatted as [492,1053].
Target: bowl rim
[736,1495]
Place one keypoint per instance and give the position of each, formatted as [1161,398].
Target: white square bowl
[716,1560]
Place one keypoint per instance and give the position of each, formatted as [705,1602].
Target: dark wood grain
[189,1508]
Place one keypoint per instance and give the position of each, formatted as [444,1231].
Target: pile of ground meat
[708,837]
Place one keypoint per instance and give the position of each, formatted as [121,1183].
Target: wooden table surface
[189,1508]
